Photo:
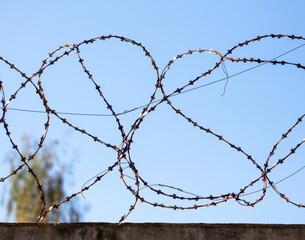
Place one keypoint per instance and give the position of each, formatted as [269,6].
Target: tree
[24,199]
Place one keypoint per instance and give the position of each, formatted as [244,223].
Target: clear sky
[257,108]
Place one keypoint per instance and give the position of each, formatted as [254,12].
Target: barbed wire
[177,94]
[124,162]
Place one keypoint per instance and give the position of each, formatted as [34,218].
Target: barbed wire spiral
[124,160]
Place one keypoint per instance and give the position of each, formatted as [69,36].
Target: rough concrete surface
[150,231]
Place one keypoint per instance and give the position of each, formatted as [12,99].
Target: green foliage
[24,201]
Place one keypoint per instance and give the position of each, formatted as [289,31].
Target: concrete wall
[150,231]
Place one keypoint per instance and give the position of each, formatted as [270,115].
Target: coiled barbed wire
[127,135]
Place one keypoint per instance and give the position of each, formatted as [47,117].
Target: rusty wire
[123,150]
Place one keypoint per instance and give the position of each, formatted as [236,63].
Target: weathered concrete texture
[150,231]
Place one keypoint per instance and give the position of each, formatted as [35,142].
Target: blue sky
[256,109]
